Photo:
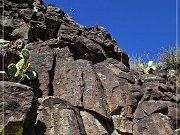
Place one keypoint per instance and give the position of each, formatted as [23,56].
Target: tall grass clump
[170,57]
[137,63]
[142,63]
[167,57]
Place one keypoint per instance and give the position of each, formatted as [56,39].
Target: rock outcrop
[84,85]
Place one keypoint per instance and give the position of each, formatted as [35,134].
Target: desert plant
[150,67]
[170,57]
[139,64]
[35,5]
[19,72]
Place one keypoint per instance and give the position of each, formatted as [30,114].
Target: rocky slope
[84,85]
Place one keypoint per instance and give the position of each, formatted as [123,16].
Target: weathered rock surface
[16,102]
[114,77]
[57,116]
[156,124]
[84,84]
[77,82]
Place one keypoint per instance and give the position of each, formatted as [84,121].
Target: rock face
[84,84]
[17,104]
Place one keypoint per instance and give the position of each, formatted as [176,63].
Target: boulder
[93,126]
[100,35]
[77,82]
[116,87]
[54,18]
[12,109]
[155,124]
[84,84]
[58,117]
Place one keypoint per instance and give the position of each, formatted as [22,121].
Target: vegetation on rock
[19,72]
[150,67]
[169,57]
[84,80]
[13,128]
[145,68]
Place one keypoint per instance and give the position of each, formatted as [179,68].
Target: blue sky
[138,26]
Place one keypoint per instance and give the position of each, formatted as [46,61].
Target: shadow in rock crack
[40,128]
[30,119]
[51,78]
[36,90]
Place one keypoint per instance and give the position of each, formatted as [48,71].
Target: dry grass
[136,63]
[170,57]
[139,62]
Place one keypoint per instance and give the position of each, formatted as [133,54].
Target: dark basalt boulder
[84,84]
[17,105]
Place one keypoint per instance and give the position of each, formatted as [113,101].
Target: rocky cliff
[84,85]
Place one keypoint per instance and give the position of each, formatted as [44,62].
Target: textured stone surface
[104,39]
[122,124]
[54,18]
[84,84]
[42,63]
[92,125]
[155,124]
[57,117]
[116,86]
[77,83]
[12,109]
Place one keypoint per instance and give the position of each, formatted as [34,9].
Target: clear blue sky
[139,26]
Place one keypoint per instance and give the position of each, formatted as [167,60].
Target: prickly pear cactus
[150,68]
[31,75]
[25,54]
[12,69]
[19,72]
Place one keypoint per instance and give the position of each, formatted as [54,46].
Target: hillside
[84,84]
